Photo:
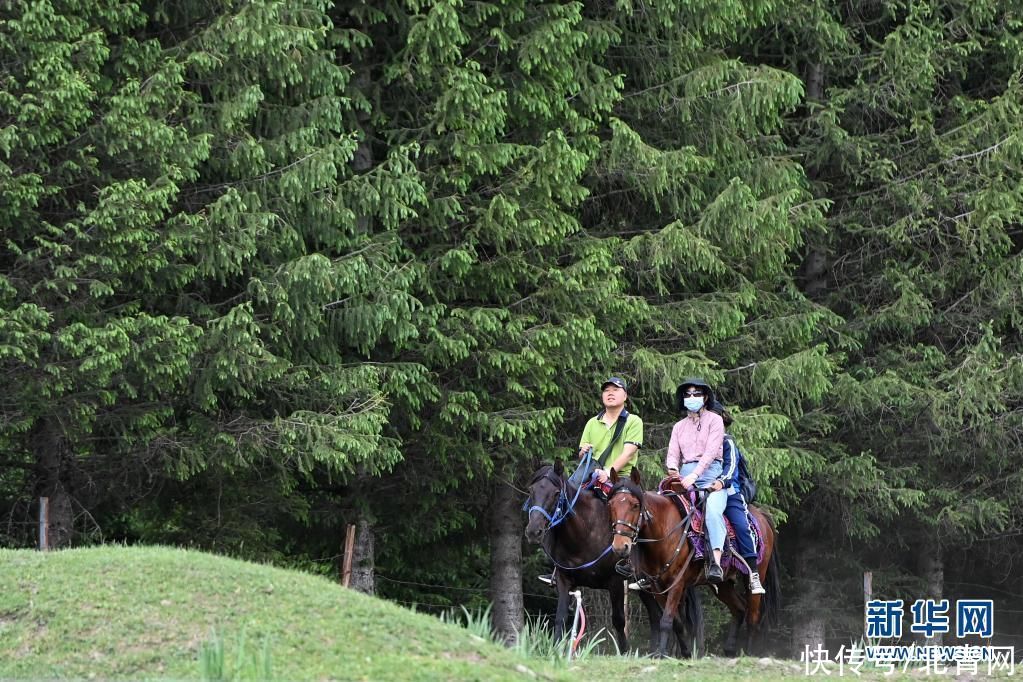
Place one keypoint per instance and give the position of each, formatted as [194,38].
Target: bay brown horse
[652,525]
[571,526]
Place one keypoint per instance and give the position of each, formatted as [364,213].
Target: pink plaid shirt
[696,441]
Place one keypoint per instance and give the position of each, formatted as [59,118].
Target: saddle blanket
[685,500]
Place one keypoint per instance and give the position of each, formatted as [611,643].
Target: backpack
[747,486]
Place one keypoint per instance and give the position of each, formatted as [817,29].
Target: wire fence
[838,621]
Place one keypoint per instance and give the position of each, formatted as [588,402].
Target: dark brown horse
[652,525]
[571,525]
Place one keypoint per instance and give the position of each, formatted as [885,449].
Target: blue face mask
[693,404]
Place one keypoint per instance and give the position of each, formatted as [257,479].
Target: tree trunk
[815,82]
[363,558]
[54,465]
[814,272]
[506,562]
[931,567]
[362,160]
[815,267]
[808,628]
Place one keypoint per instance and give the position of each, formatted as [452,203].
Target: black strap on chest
[619,427]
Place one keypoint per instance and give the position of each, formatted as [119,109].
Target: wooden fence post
[868,591]
[346,566]
[44,524]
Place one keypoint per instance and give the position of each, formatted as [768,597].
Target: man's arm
[623,459]
[586,442]
[633,437]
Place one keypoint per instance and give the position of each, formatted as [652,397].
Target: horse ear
[613,476]
[635,475]
[559,467]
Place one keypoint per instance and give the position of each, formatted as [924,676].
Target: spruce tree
[911,131]
[187,288]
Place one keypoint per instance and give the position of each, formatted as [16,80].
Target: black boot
[714,573]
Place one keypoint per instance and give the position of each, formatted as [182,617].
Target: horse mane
[550,472]
[540,473]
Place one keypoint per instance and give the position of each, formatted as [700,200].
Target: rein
[562,511]
[645,515]
[580,566]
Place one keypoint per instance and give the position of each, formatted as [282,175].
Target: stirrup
[546,578]
[624,569]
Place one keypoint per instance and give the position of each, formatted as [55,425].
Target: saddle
[601,490]
[687,502]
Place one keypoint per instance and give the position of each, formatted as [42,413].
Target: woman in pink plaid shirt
[695,453]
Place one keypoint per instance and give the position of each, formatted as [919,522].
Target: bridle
[634,527]
[645,515]
[562,510]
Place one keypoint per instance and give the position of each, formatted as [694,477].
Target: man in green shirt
[599,431]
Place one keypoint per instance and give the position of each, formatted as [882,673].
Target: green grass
[116,612]
[160,613]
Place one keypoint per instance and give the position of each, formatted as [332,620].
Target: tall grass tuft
[248,664]
[476,622]
[534,640]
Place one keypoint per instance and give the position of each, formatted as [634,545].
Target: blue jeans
[736,511]
[716,501]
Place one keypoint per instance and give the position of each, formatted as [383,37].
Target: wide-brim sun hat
[695,382]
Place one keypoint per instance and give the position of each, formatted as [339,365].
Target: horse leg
[679,628]
[680,625]
[617,592]
[653,612]
[561,615]
[755,608]
[728,596]
[690,623]
[669,616]
[753,613]
[665,626]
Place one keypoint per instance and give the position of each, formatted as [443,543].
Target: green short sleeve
[633,431]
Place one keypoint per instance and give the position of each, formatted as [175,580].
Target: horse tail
[692,608]
[772,600]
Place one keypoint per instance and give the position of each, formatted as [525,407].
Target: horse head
[546,500]
[626,511]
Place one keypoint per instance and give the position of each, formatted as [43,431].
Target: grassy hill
[116,612]
[147,613]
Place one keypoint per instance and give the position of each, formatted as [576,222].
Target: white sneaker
[640,584]
[754,583]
